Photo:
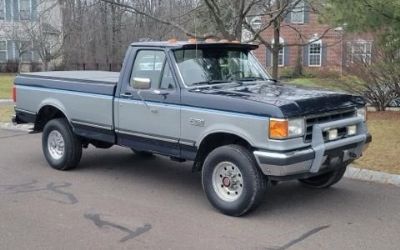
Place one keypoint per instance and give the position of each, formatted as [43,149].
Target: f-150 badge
[196,122]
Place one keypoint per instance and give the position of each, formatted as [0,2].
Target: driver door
[149,118]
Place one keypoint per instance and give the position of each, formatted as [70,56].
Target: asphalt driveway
[117,200]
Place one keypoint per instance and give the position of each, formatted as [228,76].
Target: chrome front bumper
[318,156]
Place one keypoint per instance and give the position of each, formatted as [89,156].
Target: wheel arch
[214,140]
[48,110]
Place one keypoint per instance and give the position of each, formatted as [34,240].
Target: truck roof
[194,44]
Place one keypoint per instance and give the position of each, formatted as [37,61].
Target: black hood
[264,98]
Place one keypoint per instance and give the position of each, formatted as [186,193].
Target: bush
[379,82]
[10,67]
[36,67]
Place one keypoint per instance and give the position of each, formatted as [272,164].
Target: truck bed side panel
[91,114]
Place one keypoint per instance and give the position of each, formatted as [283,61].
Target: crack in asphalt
[130,233]
[32,186]
[11,136]
[299,239]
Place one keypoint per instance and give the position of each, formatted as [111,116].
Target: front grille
[327,117]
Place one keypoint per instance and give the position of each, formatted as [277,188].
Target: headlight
[285,128]
[362,112]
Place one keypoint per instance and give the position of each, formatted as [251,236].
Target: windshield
[217,65]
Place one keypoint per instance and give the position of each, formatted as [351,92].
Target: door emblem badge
[196,122]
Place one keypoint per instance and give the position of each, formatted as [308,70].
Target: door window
[167,80]
[148,64]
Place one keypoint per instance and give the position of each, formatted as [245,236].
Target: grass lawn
[314,83]
[383,153]
[338,83]
[6,83]
[6,112]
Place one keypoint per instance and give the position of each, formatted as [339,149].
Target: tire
[67,154]
[144,154]
[232,181]
[324,180]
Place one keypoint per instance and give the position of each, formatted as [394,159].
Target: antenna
[195,34]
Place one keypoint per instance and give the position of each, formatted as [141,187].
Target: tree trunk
[298,69]
[45,65]
[275,50]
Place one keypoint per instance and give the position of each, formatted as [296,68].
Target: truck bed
[85,97]
[94,82]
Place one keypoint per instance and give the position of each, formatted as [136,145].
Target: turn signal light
[14,94]
[278,129]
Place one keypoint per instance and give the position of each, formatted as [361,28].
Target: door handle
[126,95]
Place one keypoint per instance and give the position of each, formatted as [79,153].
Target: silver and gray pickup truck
[207,102]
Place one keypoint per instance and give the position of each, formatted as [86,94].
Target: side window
[148,64]
[167,80]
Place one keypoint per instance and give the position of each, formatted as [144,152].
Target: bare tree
[380,78]
[23,45]
[226,19]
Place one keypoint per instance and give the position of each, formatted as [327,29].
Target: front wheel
[61,147]
[325,180]
[232,180]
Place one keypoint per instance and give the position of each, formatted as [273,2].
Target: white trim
[6,50]
[12,12]
[5,10]
[297,12]
[319,42]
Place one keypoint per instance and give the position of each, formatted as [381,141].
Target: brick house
[331,53]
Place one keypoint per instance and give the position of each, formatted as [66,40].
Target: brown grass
[6,112]
[6,83]
[383,153]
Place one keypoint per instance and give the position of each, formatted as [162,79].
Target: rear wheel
[232,181]
[325,180]
[61,147]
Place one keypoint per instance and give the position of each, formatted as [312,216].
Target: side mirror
[141,83]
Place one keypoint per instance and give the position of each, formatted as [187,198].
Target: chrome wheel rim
[227,181]
[55,144]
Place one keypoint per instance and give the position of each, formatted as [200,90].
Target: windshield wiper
[255,78]
[210,82]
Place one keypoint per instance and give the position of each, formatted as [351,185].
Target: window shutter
[10,50]
[305,55]
[286,54]
[16,49]
[34,10]
[324,53]
[8,9]
[16,10]
[268,58]
[307,10]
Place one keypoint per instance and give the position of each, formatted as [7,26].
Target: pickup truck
[210,103]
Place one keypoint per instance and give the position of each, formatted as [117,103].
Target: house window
[281,54]
[2,10]
[26,51]
[315,53]
[3,51]
[24,9]
[361,51]
[297,13]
